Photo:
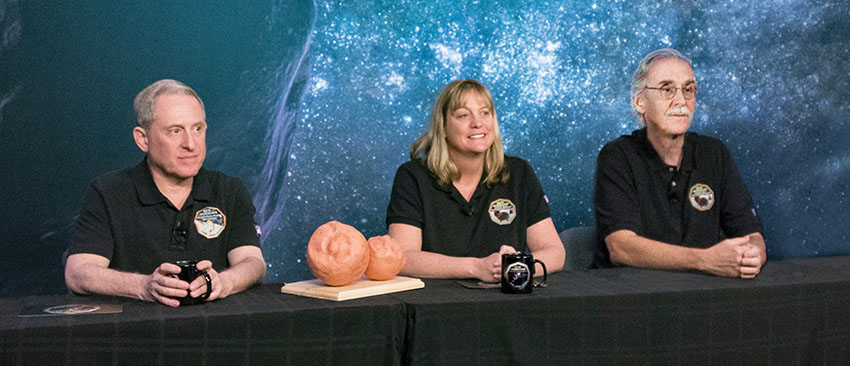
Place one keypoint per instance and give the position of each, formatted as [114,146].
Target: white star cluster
[773,85]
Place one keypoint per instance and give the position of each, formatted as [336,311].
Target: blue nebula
[773,86]
[315,104]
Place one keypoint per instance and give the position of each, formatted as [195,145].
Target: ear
[141,138]
[640,103]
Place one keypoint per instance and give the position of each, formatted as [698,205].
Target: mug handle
[208,279]
[541,283]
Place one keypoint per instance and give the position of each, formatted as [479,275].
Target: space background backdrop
[315,104]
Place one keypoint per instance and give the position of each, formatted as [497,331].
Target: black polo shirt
[698,205]
[496,215]
[127,220]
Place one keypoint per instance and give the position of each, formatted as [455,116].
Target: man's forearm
[248,272]
[629,249]
[88,279]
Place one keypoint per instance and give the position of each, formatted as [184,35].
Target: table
[796,312]
[257,327]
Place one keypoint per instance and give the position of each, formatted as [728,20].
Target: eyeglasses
[669,92]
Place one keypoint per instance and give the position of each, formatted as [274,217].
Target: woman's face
[469,129]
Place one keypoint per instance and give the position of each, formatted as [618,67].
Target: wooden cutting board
[361,288]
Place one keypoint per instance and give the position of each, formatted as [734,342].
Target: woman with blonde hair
[460,202]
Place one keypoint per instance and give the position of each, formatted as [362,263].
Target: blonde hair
[432,144]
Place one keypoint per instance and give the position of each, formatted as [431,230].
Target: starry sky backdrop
[314,105]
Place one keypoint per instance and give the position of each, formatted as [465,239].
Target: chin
[479,149]
[678,128]
[187,173]
[482,146]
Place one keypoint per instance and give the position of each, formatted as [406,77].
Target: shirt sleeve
[615,195]
[538,208]
[244,229]
[405,205]
[92,232]
[738,215]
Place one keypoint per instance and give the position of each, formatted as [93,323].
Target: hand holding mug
[189,272]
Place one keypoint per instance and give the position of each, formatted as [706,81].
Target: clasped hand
[489,268]
[162,285]
[734,257]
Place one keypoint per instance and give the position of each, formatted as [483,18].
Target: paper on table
[71,309]
[478,284]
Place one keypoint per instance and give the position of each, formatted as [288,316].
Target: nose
[189,142]
[474,120]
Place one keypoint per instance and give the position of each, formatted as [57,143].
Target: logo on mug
[517,275]
[502,211]
[210,222]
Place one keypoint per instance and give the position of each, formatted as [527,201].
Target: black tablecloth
[258,327]
[796,312]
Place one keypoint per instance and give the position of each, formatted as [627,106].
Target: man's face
[176,139]
[666,117]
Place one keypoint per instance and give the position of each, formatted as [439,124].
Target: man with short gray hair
[667,198]
[137,222]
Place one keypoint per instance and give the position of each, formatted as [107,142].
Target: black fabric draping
[796,312]
[260,326]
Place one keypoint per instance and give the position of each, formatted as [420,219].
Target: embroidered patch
[701,197]
[210,222]
[502,211]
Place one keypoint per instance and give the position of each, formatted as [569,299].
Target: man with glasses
[667,198]
[137,222]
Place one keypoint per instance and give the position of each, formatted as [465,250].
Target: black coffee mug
[189,272]
[518,273]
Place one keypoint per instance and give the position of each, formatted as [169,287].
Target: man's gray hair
[145,100]
[639,76]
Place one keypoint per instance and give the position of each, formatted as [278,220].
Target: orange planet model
[385,258]
[337,254]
